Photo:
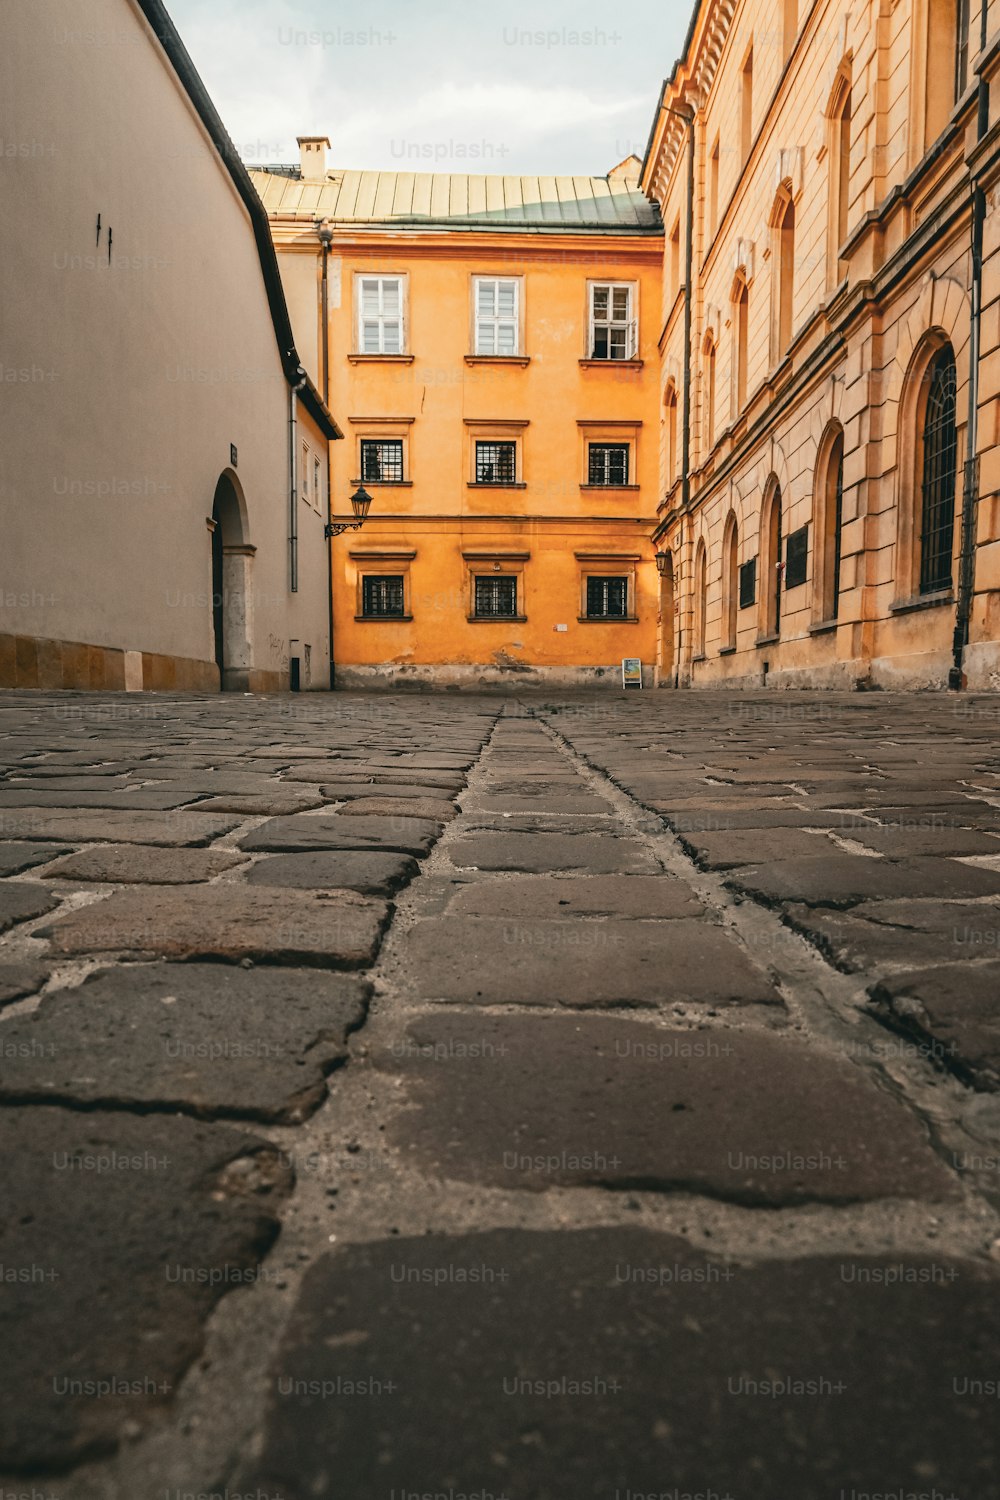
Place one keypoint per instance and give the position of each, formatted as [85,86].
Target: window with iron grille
[612,322]
[382,461]
[607,598]
[382,596]
[496,316]
[381,315]
[496,597]
[496,463]
[608,464]
[748,584]
[797,558]
[937,531]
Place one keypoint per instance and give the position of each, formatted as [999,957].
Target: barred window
[381,315]
[496,463]
[612,322]
[382,462]
[937,532]
[607,598]
[382,596]
[496,316]
[608,463]
[496,598]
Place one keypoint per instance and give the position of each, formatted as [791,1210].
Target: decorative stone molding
[743,258]
[788,168]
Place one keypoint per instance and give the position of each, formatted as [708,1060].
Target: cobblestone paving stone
[652,1145]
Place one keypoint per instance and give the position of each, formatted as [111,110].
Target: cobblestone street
[475,1096]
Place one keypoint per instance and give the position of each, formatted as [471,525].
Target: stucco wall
[138,372]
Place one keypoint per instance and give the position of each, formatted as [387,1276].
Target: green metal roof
[429,200]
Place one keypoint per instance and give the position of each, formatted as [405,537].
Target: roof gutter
[180,60]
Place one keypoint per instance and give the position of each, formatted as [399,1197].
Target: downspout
[970,487]
[326,239]
[293,489]
[687,114]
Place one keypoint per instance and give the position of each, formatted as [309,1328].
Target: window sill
[479,484]
[823,627]
[607,619]
[382,619]
[727,650]
[623,487]
[381,359]
[387,484]
[520,360]
[923,601]
[496,619]
[615,364]
[700,657]
[768,640]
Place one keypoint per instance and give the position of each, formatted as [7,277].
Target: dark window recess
[608,463]
[382,596]
[382,463]
[748,583]
[496,463]
[937,531]
[607,598]
[496,598]
[797,558]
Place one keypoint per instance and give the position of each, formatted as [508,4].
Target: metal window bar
[608,463]
[382,596]
[382,462]
[496,463]
[937,530]
[496,598]
[607,598]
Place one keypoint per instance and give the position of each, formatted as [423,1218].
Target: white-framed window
[497,315]
[306,495]
[317,470]
[612,320]
[380,314]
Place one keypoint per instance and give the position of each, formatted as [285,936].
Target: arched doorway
[772,560]
[232,559]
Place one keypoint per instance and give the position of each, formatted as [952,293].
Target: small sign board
[233,455]
[631,672]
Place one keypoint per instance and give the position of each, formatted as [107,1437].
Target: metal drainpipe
[970,487]
[293,491]
[326,238]
[688,116]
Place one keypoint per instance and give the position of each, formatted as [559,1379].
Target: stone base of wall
[483,678]
[33,662]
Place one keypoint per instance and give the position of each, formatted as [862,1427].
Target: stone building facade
[835,170]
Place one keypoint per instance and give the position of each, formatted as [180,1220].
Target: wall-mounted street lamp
[662,558]
[361,504]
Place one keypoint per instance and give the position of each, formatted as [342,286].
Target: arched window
[730,583]
[670,434]
[785,273]
[840,173]
[939,444]
[700,600]
[772,560]
[789,27]
[741,341]
[709,396]
[829,520]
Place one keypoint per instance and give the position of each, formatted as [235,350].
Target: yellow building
[830,172]
[491,344]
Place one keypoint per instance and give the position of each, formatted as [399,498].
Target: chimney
[629,170]
[312,149]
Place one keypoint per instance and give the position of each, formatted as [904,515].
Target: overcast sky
[565,86]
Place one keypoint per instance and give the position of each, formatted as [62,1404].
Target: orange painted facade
[551,547]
